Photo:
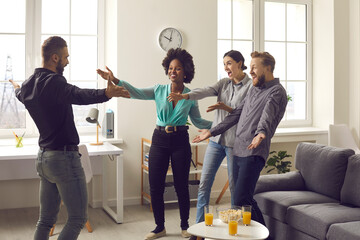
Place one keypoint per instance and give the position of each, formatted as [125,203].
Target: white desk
[220,230]
[19,163]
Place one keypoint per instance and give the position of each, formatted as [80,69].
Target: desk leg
[222,192]
[119,213]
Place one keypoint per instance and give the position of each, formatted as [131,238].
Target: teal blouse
[166,114]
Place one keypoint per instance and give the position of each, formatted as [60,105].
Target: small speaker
[108,124]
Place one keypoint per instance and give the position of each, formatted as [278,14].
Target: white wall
[336,60]
[353,68]
[323,63]
[341,62]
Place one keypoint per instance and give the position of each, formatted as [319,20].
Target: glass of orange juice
[233,223]
[246,214]
[209,215]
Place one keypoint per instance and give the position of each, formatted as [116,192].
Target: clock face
[170,38]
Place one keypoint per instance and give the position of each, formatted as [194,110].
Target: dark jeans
[246,174]
[166,146]
[61,177]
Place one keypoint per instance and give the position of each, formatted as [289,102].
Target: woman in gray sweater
[230,92]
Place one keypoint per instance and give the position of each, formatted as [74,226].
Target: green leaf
[271,162]
[277,161]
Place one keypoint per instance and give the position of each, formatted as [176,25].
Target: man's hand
[107,75]
[256,141]
[219,105]
[15,85]
[205,134]
[115,91]
[175,97]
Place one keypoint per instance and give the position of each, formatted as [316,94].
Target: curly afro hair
[186,60]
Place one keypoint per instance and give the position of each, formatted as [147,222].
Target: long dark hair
[237,56]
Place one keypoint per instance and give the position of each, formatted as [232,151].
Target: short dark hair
[186,60]
[51,46]
[237,56]
[266,59]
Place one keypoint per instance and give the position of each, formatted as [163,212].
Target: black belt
[64,148]
[171,129]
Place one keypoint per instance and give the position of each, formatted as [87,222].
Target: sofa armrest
[290,181]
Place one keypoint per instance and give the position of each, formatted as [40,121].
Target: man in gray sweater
[257,118]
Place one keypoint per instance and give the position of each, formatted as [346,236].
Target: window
[20,51]
[12,62]
[282,28]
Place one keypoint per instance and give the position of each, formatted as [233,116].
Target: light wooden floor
[19,224]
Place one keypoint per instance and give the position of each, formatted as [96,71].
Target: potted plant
[278,162]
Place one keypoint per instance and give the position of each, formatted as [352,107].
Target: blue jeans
[61,177]
[246,174]
[213,158]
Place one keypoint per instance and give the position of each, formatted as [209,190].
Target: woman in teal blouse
[170,139]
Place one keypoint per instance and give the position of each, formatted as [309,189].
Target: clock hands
[172,36]
[168,38]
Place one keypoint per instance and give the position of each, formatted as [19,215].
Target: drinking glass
[246,214]
[233,219]
[209,215]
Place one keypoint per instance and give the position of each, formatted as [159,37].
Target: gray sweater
[260,111]
[230,94]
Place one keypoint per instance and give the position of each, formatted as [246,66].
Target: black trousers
[165,147]
[246,173]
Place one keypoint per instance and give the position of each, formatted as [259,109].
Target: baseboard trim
[137,200]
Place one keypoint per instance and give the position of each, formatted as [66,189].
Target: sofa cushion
[350,192]
[291,181]
[323,168]
[344,231]
[315,219]
[276,203]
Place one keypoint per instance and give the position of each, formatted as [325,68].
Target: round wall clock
[170,38]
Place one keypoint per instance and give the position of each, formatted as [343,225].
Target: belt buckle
[170,131]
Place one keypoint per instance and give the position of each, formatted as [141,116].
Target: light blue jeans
[61,178]
[213,158]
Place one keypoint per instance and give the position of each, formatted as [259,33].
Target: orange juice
[246,218]
[233,227]
[209,219]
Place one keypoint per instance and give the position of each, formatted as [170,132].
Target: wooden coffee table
[219,230]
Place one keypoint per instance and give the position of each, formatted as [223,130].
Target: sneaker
[153,235]
[185,234]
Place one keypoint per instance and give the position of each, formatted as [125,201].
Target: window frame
[33,60]
[259,45]
[308,119]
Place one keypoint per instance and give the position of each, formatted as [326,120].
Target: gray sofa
[321,200]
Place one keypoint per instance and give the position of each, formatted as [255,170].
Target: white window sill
[83,139]
[311,134]
[302,134]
